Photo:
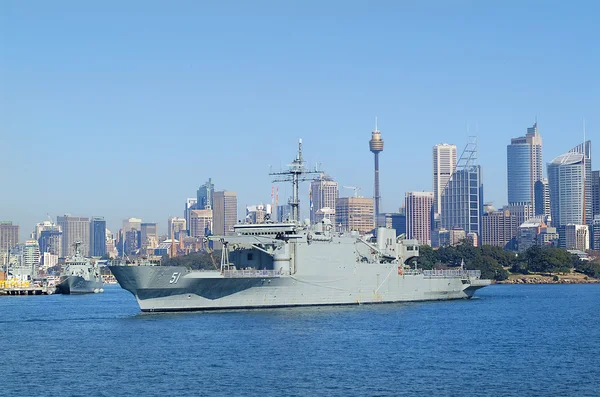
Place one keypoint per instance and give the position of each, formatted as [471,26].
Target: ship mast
[296,173]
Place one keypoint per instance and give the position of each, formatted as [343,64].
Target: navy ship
[294,263]
[80,275]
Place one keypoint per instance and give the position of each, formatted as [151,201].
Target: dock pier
[33,290]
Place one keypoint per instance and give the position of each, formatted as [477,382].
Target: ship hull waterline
[76,285]
[172,289]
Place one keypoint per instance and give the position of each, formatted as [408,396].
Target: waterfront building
[542,198]
[355,214]
[49,260]
[577,237]
[586,150]
[190,204]
[566,181]
[224,213]
[324,193]
[205,196]
[499,229]
[97,236]
[419,214]
[74,228]
[9,235]
[524,166]
[444,165]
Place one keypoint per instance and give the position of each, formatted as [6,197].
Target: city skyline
[425,89]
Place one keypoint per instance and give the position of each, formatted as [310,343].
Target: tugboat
[80,275]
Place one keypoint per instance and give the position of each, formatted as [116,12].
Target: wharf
[32,290]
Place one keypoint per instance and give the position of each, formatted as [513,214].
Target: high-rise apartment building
[566,175]
[224,212]
[419,214]
[324,193]
[201,222]
[355,214]
[524,166]
[498,228]
[542,197]
[97,236]
[205,195]
[9,235]
[74,228]
[444,165]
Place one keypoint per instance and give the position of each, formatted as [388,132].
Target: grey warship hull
[78,285]
[155,290]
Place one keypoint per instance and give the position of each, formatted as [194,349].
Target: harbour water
[513,340]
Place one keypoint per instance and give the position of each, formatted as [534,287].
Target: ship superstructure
[80,275]
[298,264]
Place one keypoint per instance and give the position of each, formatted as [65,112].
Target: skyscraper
[444,165]
[224,213]
[354,214]
[566,175]
[588,206]
[323,194]
[419,207]
[31,256]
[97,236]
[190,204]
[524,166]
[376,147]
[74,228]
[462,199]
[205,195]
[9,235]
[595,193]
[542,197]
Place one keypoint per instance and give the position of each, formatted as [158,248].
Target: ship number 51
[175,278]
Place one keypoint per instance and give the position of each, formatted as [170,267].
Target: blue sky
[123,109]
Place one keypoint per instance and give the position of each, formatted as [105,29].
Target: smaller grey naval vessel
[80,275]
[294,263]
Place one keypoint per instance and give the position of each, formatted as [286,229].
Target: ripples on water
[513,340]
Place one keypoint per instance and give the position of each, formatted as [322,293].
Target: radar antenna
[296,173]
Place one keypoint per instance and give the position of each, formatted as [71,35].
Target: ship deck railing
[252,273]
[452,273]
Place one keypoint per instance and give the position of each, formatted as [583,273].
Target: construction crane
[356,189]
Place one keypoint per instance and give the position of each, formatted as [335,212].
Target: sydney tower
[376,146]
